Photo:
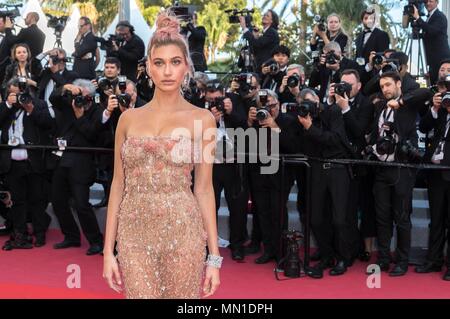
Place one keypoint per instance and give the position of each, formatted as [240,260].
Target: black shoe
[447,274]
[315,256]
[40,240]
[314,272]
[399,270]
[66,244]
[95,249]
[365,256]
[339,269]
[102,203]
[252,249]
[237,254]
[21,241]
[325,263]
[427,267]
[264,258]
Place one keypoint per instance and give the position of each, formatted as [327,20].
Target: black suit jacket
[60,80]
[34,126]
[378,42]
[342,39]
[77,132]
[435,38]
[262,47]
[129,55]
[409,84]
[5,52]
[34,37]
[85,67]
[321,75]
[196,43]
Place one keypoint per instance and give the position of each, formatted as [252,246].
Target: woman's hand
[111,273]
[212,281]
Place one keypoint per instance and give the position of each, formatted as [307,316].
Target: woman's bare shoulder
[202,114]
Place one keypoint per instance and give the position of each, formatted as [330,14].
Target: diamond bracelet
[214,261]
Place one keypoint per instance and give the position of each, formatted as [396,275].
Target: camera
[10,11]
[273,66]
[392,66]
[105,84]
[217,103]
[263,112]
[320,23]
[107,44]
[408,11]
[292,263]
[192,93]
[234,15]
[57,23]
[294,81]
[386,144]
[408,152]
[55,59]
[24,96]
[331,58]
[124,98]
[303,109]
[445,96]
[342,88]
[378,59]
[79,100]
[245,83]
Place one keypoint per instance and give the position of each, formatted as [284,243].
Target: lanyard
[15,119]
[388,115]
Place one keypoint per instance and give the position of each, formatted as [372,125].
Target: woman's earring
[150,82]
[185,84]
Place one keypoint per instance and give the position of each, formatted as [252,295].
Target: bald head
[31,18]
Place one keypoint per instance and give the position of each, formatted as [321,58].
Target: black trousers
[439,198]
[269,207]
[255,236]
[392,191]
[329,194]
[27,190]
[231,179]
[63,188]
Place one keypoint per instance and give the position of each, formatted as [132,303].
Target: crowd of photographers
[365,106]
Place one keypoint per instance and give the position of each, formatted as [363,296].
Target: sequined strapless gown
[160,239]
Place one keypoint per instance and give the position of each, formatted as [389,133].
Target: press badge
[62,144]
[14,141]
[361,61]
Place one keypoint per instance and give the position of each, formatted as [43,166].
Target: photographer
[437,120]
[196,36]
[78,123]
[270,123]
[6,42]
[144,83]
[274,69]
[85,50]
[435,37]
[23,120]
[323,136]
[23,65]
[128,47]
[262,45]
[357,111]
[291,85]
[54,75]
[107,84]
[397,62]
[32,35]
[394,138]
[332,63]
[371,38]
[228,175]
[333,32]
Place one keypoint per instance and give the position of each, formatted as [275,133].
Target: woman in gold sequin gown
[160,225]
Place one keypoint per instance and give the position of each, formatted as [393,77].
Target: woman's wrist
[214,261]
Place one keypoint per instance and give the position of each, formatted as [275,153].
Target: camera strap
[15,118]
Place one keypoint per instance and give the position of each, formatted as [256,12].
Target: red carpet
[42,273]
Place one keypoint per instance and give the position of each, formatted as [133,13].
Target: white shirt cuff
[368,67]
[346,110]
[8,106]
[105,116]
[434,113]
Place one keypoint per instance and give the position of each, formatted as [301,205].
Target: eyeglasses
[272,106]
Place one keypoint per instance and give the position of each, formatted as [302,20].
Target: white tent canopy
[71,30]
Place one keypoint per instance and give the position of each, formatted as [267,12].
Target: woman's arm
[204,193]
[110,267]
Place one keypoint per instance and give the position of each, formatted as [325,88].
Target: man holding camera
[85,50]
[438,152]
[128,47]
[371,38]
[78,123]
[435,37]
[32,35]
[394,138]
[292,83]
[196,36]
[332,63]
[357,111]
[23,120]
[322,135]
[228,175]
[274,69]
[262,45]
[107,84]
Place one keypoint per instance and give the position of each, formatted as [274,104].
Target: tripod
[58,41]
[417,60]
